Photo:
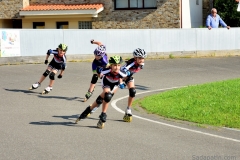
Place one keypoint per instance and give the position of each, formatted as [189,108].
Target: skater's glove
[122,85]
[126,71]
[92,41]
[46,61]
[59,76]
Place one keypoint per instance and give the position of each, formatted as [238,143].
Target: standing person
[110,81]
[133,66]
[214,19]
[58,63]
[100,60]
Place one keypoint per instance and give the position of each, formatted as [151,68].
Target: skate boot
[128,115]
[88,95]
[84,114]
[93,110]
[102,120]
[35,86]
[47,90]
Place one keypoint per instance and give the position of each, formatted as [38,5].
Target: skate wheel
[45,92]
[100,124]
[88,114]
[77,120]
[127,118]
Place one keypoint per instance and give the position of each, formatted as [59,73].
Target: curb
[88,58]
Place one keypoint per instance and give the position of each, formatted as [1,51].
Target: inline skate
[84,114]
[87,95]
[35,86]
[102,120]
[128,115]
[47,90]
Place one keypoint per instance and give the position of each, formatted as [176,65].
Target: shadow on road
[21,90]
[31,92]
[140,87]
[53,123]
[59,97]
[71,122]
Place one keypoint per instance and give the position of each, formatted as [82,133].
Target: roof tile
[50,7]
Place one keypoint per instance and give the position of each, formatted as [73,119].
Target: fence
[35,42]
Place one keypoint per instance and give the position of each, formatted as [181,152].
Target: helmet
[100,50]
[116,59]
[139,53]
[63,47]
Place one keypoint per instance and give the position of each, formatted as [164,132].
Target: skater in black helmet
[100,60]
[110,82]
[58,63]
[133,66]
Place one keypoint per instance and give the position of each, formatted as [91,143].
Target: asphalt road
[35,126]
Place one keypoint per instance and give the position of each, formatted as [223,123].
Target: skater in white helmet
[58,63]
[133,65]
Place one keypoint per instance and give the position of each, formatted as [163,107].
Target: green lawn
[216,103]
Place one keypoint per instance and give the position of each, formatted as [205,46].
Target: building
[102,14]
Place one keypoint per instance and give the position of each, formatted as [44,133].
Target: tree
[227,9]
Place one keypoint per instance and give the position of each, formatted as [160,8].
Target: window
[62,25]
[135,4]
[16,23]
[38,25]
[85,25]
[197,2]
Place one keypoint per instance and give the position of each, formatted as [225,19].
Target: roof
[52,7]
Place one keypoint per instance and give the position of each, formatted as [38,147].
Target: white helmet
[139,53]
[100,50]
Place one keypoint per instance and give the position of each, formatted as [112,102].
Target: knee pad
[108,96]
[51,76]
[132,92]
[94,79]
[99,100]
[46,73]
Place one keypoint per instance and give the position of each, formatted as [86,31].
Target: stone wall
[9,9]
[167,15]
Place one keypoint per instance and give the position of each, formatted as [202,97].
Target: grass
[216,104]
[171,56]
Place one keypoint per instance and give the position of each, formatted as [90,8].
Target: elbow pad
[49,51]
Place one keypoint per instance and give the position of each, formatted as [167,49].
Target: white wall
[35,42]
[191,13]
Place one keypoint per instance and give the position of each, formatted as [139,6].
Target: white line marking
[165,124]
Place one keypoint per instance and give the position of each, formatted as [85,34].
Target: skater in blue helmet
[58,63]
[100,60]
[110,82]
[132,66]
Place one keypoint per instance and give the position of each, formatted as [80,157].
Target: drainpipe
[181,13]
[211,4]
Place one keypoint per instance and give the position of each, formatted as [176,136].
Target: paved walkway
[35,126]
